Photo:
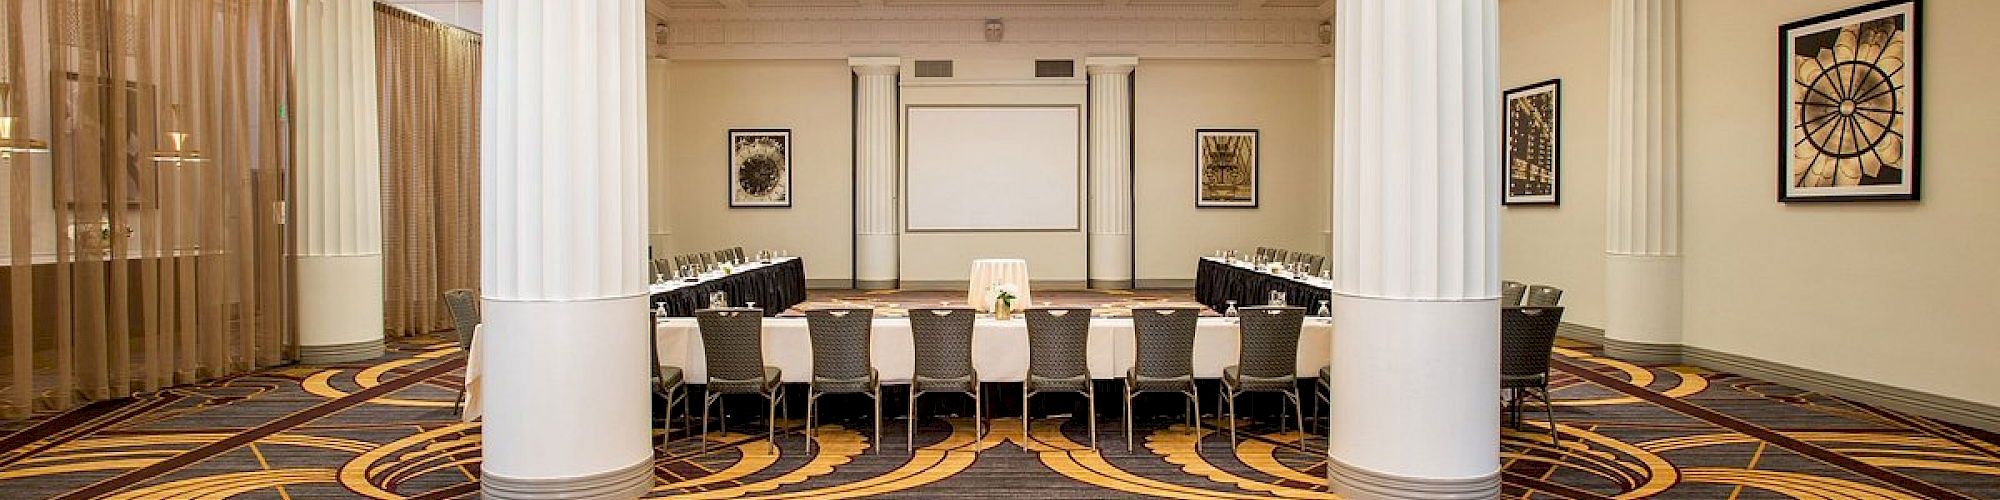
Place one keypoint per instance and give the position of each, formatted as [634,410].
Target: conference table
[999,350]
[775,286]
[1218,281]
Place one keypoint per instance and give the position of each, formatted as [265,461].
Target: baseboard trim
[861,284]
[1946,408]
[341,353]
[630,481]
[1162,284]
[1353,482]
[950,285]
[1097,284]
[830,284]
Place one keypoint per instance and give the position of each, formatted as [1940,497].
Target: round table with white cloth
[987,273]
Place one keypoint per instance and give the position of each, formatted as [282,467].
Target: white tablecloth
[987,273]
[999,348]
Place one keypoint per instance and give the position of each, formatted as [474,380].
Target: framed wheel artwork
[1848,118]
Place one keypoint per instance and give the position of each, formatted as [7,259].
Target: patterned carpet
[386,430]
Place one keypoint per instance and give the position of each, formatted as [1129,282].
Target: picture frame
[1226,167]
[1531,146]
[760,168]
[1848,87]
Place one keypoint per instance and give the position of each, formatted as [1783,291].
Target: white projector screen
[992,169]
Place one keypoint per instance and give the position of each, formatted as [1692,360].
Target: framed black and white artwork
[1848,114]
[760,168]
[1225,168]
[1532,153]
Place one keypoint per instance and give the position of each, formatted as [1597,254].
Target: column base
[631,481]
[876,261]
[341,353]
[1641,352]
[1098,284]
[1353,482]
[861,284]
[1642,307]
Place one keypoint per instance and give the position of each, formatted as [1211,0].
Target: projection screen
[992,169]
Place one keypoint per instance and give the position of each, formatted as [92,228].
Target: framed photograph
[1848,112]
[760,168]
[1225,168]
[1532,153]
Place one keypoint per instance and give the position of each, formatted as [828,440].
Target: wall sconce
[994,30]
[178,140]
[1326,33]
[660,40]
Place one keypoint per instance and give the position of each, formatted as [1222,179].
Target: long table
[774,286]
[999,348]
[1216,282]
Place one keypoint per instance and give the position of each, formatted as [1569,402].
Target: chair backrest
[1165,341]
[1511,293]
[1270,341]
[943,341]
[1058,342]
[706,259]
[464,309]
[653,348]
[840,342]
[733,341]
[1527,338]
[1262,252]
[1544,296]
[738,252]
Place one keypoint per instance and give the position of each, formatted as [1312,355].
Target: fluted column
[1416,191]
[1110,171]
[563,198]
[339,170]
[875,206]
[1642,241]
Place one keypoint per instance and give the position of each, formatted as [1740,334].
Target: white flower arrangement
[1004,293]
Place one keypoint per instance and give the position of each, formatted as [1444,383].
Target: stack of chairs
[1314,263]
[671,268]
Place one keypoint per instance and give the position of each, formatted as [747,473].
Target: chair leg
[1284,414]
[1231,398]
[1194,416]
[687,412]
[721,414]
[1128,416]
[705,400]
[910,445]
[1550,407]
[1300,418]
[978,420]
[877,445]
[810,432]
[771,423]
[457,405]
[1090,401]
[1025,436]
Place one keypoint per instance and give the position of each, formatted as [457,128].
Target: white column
[1110,171]
[875,242]
[1642,241]
[339,169]
[1416,353]
[563,201]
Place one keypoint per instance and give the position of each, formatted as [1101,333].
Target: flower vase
[1003,310]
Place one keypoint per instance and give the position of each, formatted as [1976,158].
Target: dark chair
[1164,340]
[1267,362]
[1511,293]
[733,341]
[706,259]
[842,363]
[1324,390]
[723,256]
[1527,339]
[1058,360]
[943,341]
[668,382]
[680,261]
[738,253]
[463,307]
[1543,296]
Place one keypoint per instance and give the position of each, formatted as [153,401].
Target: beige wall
[1562,245]
[1282,99]
[1900,293]
[813,98]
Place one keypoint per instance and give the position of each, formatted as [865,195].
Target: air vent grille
[934,69]
[1055,68]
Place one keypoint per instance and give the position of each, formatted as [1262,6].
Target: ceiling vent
[1055,68]
[934,69]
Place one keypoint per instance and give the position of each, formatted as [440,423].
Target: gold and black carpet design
[386,430]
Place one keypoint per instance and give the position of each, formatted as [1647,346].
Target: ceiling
[465,13]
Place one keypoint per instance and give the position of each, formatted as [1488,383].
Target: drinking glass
[1230,312]
[1326,308]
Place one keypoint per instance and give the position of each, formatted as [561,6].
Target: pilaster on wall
[340,172]
[876,245]
[1111,170]
[1642,226]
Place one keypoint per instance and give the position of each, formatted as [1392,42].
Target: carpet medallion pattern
[385,429]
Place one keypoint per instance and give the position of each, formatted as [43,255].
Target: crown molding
[1156,35]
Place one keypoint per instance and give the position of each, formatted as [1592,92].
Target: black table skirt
[1216,283]
[774,288]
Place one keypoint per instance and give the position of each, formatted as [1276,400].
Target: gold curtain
[146,155]
[429,86]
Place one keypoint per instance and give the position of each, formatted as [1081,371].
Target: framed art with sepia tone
[1530,151]
[760,168]
[1225,167]
[1848,115]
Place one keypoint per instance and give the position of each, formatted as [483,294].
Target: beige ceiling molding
[1249,37]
